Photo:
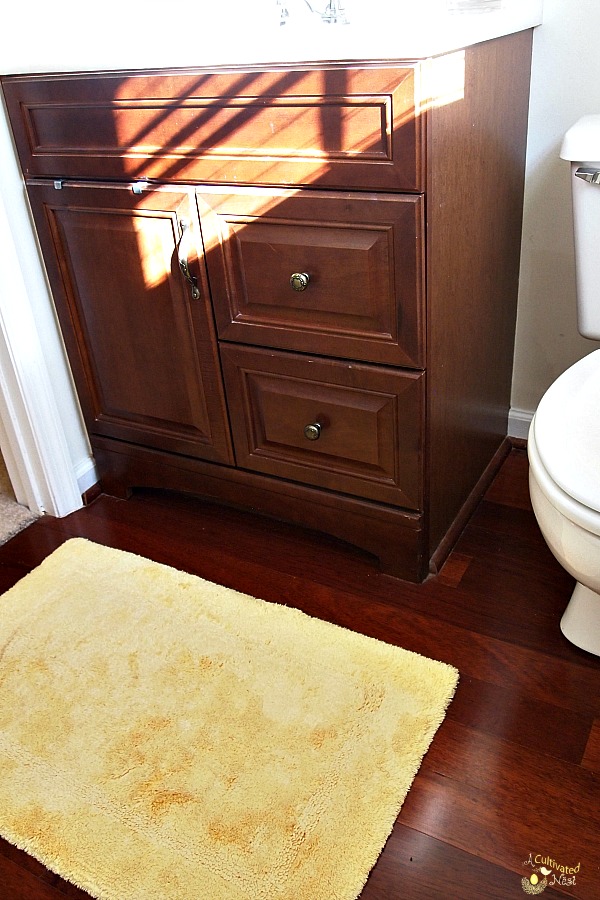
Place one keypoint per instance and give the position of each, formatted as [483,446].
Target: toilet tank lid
[567,431]
[581,143]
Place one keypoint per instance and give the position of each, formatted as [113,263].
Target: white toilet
[564,438]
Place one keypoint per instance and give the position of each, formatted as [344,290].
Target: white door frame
[32,436]
[42,437]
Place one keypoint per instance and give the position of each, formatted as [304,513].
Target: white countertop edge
[86,44]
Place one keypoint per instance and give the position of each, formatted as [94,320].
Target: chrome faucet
[333,14]
[284,12]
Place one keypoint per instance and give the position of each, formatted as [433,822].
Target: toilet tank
[581,146]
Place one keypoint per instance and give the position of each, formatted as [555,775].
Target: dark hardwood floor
[514,770]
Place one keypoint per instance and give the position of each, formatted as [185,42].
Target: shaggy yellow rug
[164,738]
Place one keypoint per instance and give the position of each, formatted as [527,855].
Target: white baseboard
[519,421]
[86,474]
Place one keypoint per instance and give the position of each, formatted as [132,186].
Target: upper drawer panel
[330,127]
[359,258]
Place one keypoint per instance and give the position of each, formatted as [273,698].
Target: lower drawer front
[346,427]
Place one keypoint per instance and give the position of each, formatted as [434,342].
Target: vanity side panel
[475,180]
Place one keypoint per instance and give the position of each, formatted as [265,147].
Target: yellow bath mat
[165,738]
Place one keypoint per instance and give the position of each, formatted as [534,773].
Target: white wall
[565,85]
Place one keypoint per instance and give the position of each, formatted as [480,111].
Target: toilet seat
[566,428]
[571,509]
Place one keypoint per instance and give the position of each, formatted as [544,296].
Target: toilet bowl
[564,482]
[564,437]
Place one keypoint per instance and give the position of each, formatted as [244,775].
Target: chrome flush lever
[590,175]
[183,251]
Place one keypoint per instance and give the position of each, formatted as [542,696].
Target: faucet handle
[284,12]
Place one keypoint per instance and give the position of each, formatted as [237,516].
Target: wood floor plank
[418,867]
[514,767]
[500,801]
[486,708]
[454,568]
[507,487]
[591,756]
[22,878]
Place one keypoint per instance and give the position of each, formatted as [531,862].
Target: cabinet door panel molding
[143,351]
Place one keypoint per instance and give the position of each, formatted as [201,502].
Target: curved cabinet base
[395,537]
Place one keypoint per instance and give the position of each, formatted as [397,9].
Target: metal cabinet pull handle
[299,281]
[183,250]
[312,432]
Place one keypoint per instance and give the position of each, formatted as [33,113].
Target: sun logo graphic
[534,884]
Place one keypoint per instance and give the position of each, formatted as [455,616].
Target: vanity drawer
[332,126]
[359,259]
[345,427]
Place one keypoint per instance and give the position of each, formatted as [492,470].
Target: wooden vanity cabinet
[336,349]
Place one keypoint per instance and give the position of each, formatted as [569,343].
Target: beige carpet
[164,738]
[13,516]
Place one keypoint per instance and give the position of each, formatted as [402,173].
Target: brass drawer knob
[299,281]
[312,432]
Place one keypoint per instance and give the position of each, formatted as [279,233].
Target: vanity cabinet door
[139,335]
